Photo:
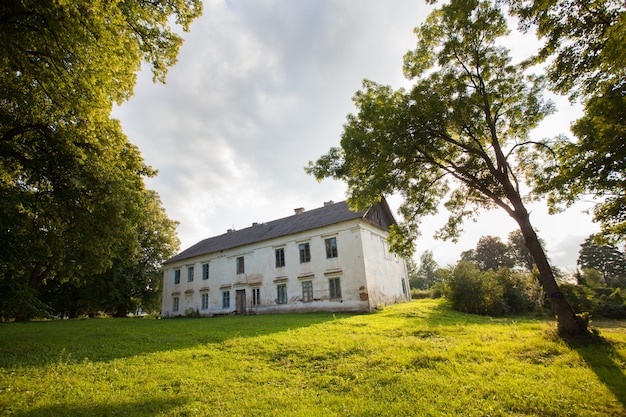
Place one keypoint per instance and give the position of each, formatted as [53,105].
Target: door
[240,301]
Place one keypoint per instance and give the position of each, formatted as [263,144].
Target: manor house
[327,259]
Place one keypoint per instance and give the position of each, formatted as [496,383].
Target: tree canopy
[490,253]
[585,57]
[459,135]
[72,195]
[425,275]
[604,258]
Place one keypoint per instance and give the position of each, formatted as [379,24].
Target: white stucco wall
[368,278]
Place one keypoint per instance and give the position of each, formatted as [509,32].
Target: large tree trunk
[567,320]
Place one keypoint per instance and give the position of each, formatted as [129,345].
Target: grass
[419,358]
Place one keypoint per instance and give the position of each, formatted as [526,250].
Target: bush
[417,294]
[614,306]
[522,291]
[492,293]
[473,291]
[436,291]
[599,302]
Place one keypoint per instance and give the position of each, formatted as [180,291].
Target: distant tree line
[498,278]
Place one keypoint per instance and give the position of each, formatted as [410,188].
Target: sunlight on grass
[419,358]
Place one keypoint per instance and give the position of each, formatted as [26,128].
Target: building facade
[326,259]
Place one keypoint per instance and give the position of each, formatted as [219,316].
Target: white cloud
[261,87]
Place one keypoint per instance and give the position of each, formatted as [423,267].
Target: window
[386,252]
[190,274]
[225,299]
[256,296]
[307,291]
[205,271]
[331,247]
[335,288]
[282,294]
[305,253]
[175,303]
[205,301]
[176,276]
[280,257]
[404,286]
[240,265]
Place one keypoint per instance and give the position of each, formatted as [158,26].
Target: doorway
[240,302]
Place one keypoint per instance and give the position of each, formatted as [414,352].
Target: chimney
[230,230]
[255,224]
[299,210]
[328,203]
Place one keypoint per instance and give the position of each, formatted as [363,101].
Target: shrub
[614,306]
[494,293]
[473,291]
[599,302]
[417,294]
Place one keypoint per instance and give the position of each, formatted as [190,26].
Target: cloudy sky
[263,86]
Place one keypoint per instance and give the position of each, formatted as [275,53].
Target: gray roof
[331,213]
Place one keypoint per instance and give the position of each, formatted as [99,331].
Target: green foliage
[425,276]
[474,291]
[599,302]
[583,45]
[585,40]
[72,195]
[490,253]
[518,251]
[310,365]
[604,258]
[493,292]
[449,131]
[459,136]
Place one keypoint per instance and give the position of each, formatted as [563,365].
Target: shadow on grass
[139,408]
[97,340]
[605,360]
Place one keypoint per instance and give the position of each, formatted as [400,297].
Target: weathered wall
[359,255]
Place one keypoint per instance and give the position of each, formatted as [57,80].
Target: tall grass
[419,358]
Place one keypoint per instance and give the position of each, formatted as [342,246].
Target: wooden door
[240,301]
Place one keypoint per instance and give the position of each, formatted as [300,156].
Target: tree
[490,253]
[426,274]
[71,185]
[519,252]
[584,46]
[604,258]
[458,133]
[134,279]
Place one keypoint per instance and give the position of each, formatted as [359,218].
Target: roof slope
[379,214]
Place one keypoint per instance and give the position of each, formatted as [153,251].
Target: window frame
[205,271]
[256,296]
[225,299]
[334,288]
[190,272]
[204,301]
[307,291]
[305,252]
[176,276]
[281,296]
[241,265]
[331,248]
[175,303]
[280,257]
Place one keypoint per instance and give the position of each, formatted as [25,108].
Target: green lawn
[419,358]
